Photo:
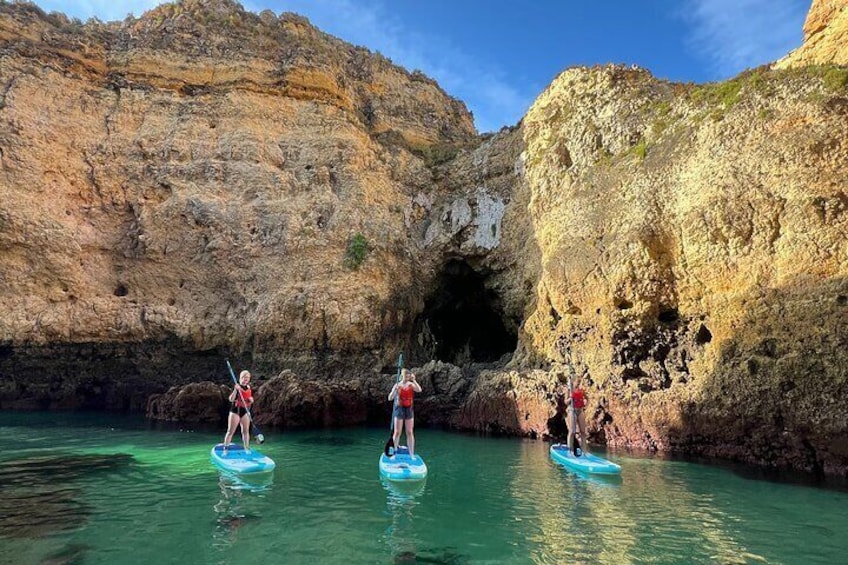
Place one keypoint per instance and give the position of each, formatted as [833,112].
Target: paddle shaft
[238,389]
[574,444]
[391,441]
[394,403]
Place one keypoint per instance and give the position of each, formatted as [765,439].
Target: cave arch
[462,321]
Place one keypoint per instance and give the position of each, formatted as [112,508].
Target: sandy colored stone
[825,36]
[185,186]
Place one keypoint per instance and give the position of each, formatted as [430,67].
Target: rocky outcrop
[194,402]
[196,180]
[825,36]
[204,182]
[292,402]
[701,281]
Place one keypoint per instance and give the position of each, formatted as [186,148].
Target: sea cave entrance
[462,321]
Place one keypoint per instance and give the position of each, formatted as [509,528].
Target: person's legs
[245,431]
[232,422]
[581,422]
[398,430]
[410,436]
[570,431]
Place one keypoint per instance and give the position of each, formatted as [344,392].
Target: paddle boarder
[240,401]
[403,415]
[576,405]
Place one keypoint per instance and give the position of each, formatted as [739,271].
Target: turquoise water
[89,489]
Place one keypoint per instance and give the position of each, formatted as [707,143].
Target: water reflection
[573,517]
[648,512]
[234,510]
[401,502]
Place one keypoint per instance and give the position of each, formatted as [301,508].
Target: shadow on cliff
[776,396]
[101,376]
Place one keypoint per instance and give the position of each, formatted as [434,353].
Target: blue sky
[498,55]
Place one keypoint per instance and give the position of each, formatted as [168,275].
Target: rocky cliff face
[825,36]
[204,181]
[701,283]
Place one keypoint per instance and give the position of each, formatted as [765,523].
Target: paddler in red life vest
[576,404]
[405,390]
[240,401]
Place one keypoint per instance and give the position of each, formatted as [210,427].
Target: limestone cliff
[203,181]
[825,36]
[694,259]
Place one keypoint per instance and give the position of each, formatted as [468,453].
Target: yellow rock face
[694,257]
[825,36]
[221,182]
[203,171]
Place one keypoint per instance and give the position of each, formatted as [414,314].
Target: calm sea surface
[95,489]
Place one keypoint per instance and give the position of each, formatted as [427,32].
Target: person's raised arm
[393,392]
[232,397]
[415,386]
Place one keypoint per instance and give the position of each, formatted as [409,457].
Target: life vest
[247,394]
[578,400]
[405,394]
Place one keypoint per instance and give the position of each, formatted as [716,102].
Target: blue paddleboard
[237,460]
[587,462]
[403,467]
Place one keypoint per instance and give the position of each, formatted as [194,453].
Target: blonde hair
[404,373]
[243,373]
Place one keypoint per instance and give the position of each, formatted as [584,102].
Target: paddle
[391,442]
[259,437]
[575,449]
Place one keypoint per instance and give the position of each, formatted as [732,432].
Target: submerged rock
[39,497]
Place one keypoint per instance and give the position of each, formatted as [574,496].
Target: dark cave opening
[462,322]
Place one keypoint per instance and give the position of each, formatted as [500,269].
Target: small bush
[438,153]
[357,251]
[835,79]
[640,150]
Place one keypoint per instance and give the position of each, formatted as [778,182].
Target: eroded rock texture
[193,181]
[825,36]
[205,182]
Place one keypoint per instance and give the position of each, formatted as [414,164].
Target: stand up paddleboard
[237,460]
[586,463]
[403,467]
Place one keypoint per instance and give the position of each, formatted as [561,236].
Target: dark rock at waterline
[195,402]
[287,401]
[101,376]
[290,400]
[39,498]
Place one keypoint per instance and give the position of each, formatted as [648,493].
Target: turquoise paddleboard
[237,460]
[403,467]
[587,462]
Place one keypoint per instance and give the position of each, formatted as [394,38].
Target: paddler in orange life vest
[577,403]
[405,390]
[240,400]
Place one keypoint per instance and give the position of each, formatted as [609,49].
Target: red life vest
[578,400]
[247,394]
[405,394]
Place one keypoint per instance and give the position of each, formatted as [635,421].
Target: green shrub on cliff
[835,78]
[640,150]
[357,251]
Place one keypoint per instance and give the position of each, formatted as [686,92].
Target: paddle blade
[260,438]
[389,445]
